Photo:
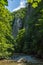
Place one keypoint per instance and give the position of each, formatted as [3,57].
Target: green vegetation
[34,38]
[28,40]
[32,41]
[6,44]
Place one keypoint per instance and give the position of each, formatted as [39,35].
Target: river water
[30,60]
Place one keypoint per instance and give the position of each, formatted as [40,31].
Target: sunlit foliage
[5,30]
[34,2]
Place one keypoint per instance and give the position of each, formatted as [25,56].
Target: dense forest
[29,38]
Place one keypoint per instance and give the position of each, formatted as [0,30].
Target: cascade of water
[16,26]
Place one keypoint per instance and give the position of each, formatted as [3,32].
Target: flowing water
[16,60]
[30,60]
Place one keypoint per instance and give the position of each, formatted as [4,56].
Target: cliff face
[27,16]
[18,22]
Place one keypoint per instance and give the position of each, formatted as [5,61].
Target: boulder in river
[22,60]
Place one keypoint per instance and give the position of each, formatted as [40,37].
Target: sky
[14,5]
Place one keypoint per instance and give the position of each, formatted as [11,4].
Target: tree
[19,41]
[6,38]
[35,29]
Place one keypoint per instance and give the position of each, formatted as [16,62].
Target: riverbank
[12,62]
[29,58]
[21,59]
[18,56]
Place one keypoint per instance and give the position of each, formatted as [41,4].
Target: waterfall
[17,26]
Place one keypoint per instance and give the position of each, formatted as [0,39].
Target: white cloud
[22,5]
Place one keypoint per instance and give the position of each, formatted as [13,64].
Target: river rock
[23,60]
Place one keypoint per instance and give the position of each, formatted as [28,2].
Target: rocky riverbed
[22,59]
[25,58]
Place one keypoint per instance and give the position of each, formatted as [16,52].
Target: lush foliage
[19,40]
[30,38]
[20,13]
[6,38]
[34,2]
[33,38]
